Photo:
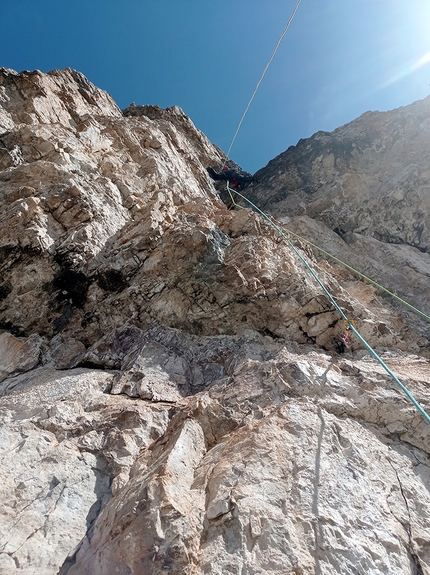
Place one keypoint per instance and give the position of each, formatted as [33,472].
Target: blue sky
[339,59]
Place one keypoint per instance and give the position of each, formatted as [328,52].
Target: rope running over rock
[330,297]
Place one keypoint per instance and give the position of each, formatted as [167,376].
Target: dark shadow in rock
[63,319]
[5,290]
[72,285]
[111,280]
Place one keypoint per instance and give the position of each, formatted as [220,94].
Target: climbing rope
[262,75]
[298,254]
[393,295]
[347,321]
[350,268]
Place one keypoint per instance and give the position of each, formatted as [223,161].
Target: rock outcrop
[172,396]
[367,185]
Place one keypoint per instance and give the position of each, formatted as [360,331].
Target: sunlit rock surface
[362,193]
[172,396]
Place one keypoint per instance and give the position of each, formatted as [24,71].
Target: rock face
[367,184]
[172,396]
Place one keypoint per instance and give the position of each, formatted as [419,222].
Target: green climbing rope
[393,295]
[347,266]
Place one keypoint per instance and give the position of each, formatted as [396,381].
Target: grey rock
[368,182]
[18,354]
[173,399]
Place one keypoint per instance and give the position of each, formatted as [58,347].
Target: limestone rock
[63,440]
[18,354]
[173,399]
[279,476]
[368,182]
[65,353]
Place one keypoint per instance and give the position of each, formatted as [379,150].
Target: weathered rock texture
[368,186]
[172,400]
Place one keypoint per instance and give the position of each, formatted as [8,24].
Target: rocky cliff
[363,193]
[172,396]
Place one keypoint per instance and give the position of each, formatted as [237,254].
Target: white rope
[263,74]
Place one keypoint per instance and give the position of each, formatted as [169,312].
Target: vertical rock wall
[172,399]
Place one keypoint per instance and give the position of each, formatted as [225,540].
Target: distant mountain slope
[369,182]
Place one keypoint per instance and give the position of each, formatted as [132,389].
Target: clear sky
[339,59]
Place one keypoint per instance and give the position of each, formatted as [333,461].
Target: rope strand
[404,302]
[262,75]
[348,267]
[350,323]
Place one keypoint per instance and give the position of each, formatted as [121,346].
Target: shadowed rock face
[171,397]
